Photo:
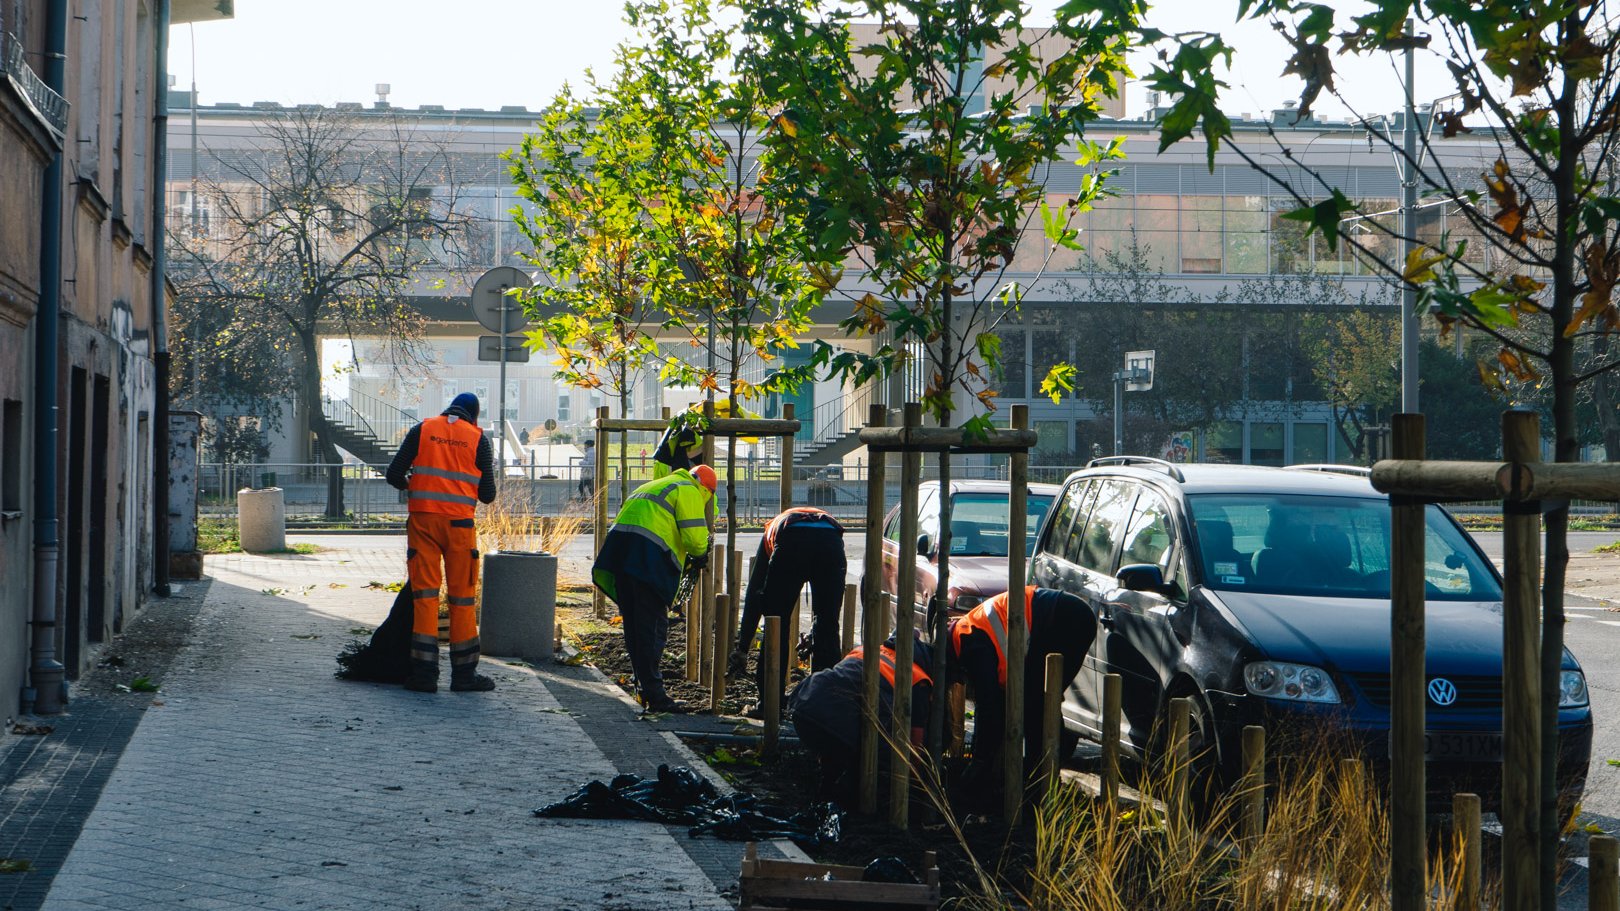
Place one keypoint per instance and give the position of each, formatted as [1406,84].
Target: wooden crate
[780,885]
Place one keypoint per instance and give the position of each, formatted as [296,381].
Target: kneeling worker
[802,545]
[664,522]
[1057,622]
[826,709]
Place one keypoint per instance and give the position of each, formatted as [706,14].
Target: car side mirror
[925,545]
[1144,577]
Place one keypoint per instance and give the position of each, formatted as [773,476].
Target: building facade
[80,304]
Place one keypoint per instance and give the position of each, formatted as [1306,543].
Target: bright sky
[490,53]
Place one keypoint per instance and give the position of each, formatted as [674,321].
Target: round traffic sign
[491,304]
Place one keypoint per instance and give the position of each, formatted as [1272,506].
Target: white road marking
[1610,622]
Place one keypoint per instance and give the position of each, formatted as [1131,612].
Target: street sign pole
[493,308]
[506,319]
[1136,377]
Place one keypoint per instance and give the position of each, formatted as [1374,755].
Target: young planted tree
[918,153]
[322,228]
[597,312]
[1544,79]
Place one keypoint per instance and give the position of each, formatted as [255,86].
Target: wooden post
[1465,819]
[900,725]
[1012,743]
[1052,720]
[717,667]
[851,591]
[600,525]
[1176,803]
[694,636]
[736,569]
[1521,678]
[770,695]
[1602,875]
[873,605]
[719,559]
[787,459]
[958,719]
[1252,796]
[1110,740]
[1408,834]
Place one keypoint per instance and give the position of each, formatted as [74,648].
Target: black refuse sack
[889,870]
[387,657]
[680,796]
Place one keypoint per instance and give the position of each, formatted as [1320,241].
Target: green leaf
[1324,216]
[1059,381]
[977,429]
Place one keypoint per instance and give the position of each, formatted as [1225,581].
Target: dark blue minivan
[1263,594]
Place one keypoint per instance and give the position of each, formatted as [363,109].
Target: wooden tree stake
[900,726]
[1253,792]
[771,685]
[717,666]
[1521,678]
[1052,720]
[1465,819]
[1177,802]
[1012,744]
[1110,740]
[872,607]
[1603,874]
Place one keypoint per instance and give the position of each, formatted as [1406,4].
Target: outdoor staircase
[835,427]
[367,428]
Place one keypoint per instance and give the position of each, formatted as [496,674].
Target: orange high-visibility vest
[886,666]
[781,522]
[991,618]
[444,477]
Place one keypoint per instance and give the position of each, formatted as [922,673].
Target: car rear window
[1329,546]
[979,524]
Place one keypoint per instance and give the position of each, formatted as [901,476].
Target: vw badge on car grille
[1442,691]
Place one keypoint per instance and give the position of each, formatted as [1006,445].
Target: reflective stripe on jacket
[796,515]
[990,618]
[444,475]
[672,514]
[919,677]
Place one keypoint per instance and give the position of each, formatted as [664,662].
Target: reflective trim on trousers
[464,653]
[461,602]
[422,594]
[424,648]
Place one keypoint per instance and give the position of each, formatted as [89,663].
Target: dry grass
[508,524]
[1324,847]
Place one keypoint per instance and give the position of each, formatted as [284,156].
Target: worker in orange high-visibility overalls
[1057,622]
[802,546]
[826,710]
[448,466]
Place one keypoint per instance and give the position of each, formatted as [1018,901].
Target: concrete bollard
[261,520]
[519,602]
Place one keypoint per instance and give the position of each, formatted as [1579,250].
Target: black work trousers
[1066,632]
[813,556]
[646,628]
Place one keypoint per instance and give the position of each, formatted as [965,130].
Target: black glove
[698,563]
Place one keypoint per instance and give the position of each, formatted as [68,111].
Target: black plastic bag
[387,657]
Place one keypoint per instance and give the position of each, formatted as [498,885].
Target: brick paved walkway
[262,782]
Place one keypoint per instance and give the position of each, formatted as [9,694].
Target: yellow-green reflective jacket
[663,522]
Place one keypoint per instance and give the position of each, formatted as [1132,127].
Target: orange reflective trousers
[432,538]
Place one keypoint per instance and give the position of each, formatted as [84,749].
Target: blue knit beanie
[466,402]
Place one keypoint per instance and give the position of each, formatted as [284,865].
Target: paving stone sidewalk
[256,780]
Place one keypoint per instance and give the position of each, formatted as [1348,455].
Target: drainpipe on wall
[44,694]
[160,297]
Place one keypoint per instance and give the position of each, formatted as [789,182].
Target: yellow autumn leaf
[1420,264]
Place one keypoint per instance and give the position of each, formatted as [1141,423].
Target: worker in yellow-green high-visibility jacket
[663,523]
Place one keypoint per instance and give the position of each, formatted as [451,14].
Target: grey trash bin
[519,603]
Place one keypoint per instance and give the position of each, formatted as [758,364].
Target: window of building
[1310,444]
[562,407]
[1223,442]
[11,456]
[1014,363]
[1051,437]
[513,397]
[1200,234]
[1266,443]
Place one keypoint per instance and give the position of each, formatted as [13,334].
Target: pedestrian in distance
[977,641]
[826,710]
[803,545]
[446,465]
[587,471]
[663,523]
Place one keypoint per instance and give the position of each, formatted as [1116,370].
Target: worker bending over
[1057,622]
[826,710]
[665,521]
[802,545]
[448,466]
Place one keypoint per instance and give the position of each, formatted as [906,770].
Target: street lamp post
[1136,377]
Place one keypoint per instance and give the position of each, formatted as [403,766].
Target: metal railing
[369,414]
[835,417]
[51,108]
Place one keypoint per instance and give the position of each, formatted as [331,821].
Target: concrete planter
[519,604]
[261,520]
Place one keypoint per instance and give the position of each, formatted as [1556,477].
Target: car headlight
[1294,682]
[968,602]
[1571,690]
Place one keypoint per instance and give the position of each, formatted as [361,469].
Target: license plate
[1461,746]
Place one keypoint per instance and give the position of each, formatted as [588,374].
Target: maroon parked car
[978,541]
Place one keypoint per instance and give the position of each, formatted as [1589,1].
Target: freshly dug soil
[793,779]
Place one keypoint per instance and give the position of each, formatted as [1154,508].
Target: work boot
[464,676]
[424,676]
[662,703]
[737,665]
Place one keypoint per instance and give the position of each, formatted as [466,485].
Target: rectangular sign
[489,349]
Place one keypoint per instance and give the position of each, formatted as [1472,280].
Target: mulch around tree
[792,779]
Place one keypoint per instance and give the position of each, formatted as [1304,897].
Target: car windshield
[979,524]
[1329,546]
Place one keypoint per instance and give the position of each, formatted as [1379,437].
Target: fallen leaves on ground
[15,865]
[35,730]
[272,591]
[385,586]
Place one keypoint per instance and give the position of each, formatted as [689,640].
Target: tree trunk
[938,611]
[309,392]
[624,446]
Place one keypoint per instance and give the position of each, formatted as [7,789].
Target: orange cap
[706,476]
